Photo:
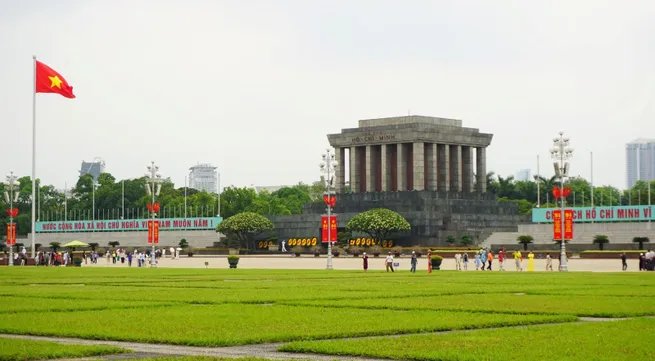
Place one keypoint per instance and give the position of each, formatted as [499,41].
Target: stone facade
[430,170]
[411,153]
[433,215]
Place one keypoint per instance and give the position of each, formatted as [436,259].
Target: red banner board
[155,232]
[150,231]
[568,225]
[557,225]
[11,234]
[328,229]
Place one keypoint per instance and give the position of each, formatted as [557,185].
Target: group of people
[646,261]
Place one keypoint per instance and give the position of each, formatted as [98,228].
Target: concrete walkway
[375,264]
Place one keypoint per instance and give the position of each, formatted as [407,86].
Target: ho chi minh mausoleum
[430,170]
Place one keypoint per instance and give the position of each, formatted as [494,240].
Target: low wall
[200,239]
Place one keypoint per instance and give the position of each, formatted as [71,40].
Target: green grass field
[313,311]
[20,350]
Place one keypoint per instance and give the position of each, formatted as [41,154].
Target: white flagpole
[33,156]
[123,200]
[592,179]
[538,185]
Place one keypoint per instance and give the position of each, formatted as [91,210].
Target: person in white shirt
[389,262]
[284,249]
[458,262]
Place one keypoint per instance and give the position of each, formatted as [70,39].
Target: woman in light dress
[530,262]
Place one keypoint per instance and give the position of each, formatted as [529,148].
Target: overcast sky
[254,86]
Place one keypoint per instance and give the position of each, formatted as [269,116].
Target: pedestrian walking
[429,261]
[365,260]
[490,259]
[414,261]
[389,262]
[624,261]
[458,261]
[465,261]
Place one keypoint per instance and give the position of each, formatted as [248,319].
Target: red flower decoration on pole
[330,200]
[556,192]
[12,212]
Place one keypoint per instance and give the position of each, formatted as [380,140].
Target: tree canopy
[378,223]
[245,225]
[52,205]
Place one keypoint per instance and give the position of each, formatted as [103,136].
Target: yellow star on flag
[56,82]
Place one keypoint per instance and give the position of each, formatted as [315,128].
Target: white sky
[254,86]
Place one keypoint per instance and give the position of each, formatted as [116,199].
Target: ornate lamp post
[11,195]
[328,167]
[153,187]
[561,153]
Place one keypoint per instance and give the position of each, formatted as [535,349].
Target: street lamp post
[561,153]
[328,167]
[11,186]
[153,187]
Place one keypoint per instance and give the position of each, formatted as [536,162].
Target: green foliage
[114,244]
[183,243]
[20,350]
[641,241]
[600,240]
[55,246]
[244,226]
[94,246]
[378,223]
[525,239]
[233,257]
[466,240]
[451,239]
[577,341]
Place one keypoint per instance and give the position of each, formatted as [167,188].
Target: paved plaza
[375,264]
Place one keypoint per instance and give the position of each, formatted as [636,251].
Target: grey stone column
[418,165]
[456,168]
[481,169]
[370,169]
[467,168]
[443,167]
[339,183]
[431,165]
[354,170]
[401,168]
[385,162]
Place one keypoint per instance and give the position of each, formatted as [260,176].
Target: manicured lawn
[11,304]
[233,324]
[609,341]
[19,350]
[590,306]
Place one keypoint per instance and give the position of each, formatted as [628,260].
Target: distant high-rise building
[640,161]
[95,168]
[523,175]
[203,177]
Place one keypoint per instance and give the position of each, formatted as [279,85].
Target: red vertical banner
[150,231]
[557,225]
[333,228]
[11,234]
[155,232]
[325,229]
[568,224]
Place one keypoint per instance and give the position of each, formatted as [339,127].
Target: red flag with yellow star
[49,81]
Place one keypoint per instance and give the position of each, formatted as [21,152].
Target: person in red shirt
[501,259]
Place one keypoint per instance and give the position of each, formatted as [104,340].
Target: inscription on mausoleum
[372,137]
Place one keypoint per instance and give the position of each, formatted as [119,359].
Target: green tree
[94,246]
[451,240]
[600,240]
[641,241]
[466,240]
[55,246]
[183,243]
[378,223]
[114,244]
[525,239]
[244,226]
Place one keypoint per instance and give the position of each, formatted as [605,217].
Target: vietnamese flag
[49,81]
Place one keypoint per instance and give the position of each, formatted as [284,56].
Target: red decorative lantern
[329,200]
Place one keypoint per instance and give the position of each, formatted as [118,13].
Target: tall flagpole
[592,178]
[123,200]
[33,155]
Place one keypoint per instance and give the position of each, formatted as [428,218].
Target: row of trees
[539,191]
[378,223]
[127,198]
